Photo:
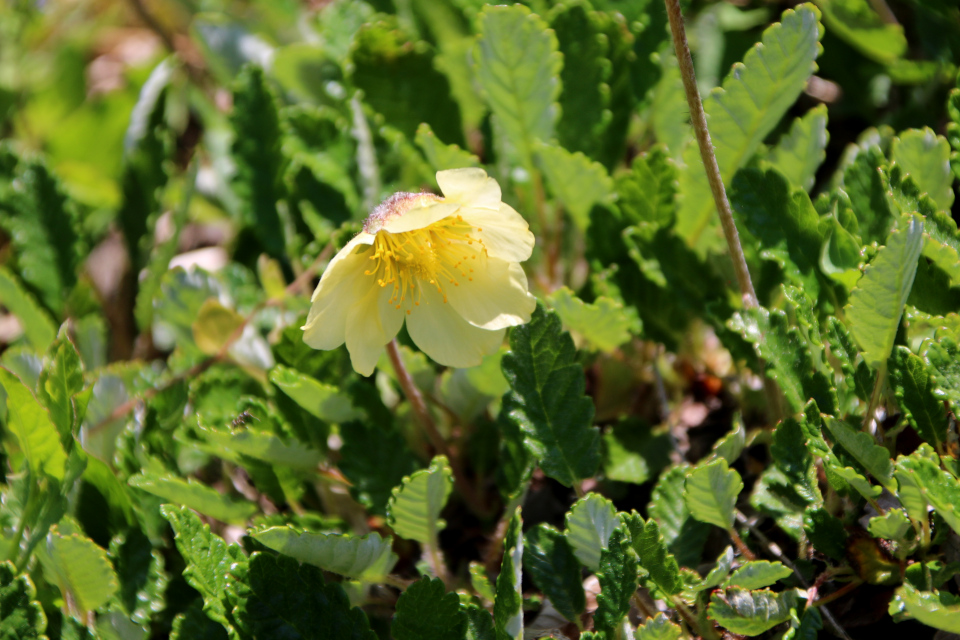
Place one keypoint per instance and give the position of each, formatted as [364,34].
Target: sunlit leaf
[368,557]
[589,524]
[415,506]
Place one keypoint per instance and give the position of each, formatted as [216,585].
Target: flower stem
[699,120]
[420,409]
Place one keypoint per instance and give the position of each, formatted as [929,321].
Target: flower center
[439,255]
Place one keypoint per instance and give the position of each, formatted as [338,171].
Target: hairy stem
[741,545]
[699,120]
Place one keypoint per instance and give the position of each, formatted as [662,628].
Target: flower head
[448,266]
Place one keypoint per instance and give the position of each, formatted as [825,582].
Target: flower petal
[505,233]
[341,282]
[446,337]
[469,186]
[496,298]
[370,325]
[419,217]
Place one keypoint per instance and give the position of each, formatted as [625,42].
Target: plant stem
[741,545]
[699,120]
[839,593]
[412,392]
[869,416]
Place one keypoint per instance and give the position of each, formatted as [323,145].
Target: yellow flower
[448,266]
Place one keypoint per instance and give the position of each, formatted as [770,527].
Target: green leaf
[635,453]
[195,495]
[551,563]
[783,220]
[792,457]
[21,616]
[368,558]
[208,559]
[653,554]
[42,224]
[801,151]
[194,624]
[518,67]
[893,525]
[825,532]
[140,570]
[862,446]
[938,488]
[59,382]
[256,150]
[374,460]
[711,491]
[400,81]
[757,574]
[547,400]
[659,628]
[754,97]
[684,535]
[925,156]
[750,613]
[260,445]
[917,392]
[584,76]
[876,305]
[38,328]
[319,399]
[648,193]
[857,23]
[442,156]
[277,598]
[577,182]
[415,506]
[604,322]
[589,524]
[618,582]
[479,623]
[35,431]
[481,582]
[425,611]
[508,606]
[938,609]
[856,373]
[865,181]
[943,357]
[81,568]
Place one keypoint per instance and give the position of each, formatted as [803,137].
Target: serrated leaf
[59,382]
[865,181]
[194,624]
[261,445]
[589,524]
[399,80]
[442,156]
[21,616]
[856,22]
[720,571]
[82,569]
[801,151]
[648,193]
[943,357]
[939,488]
[547,400]
[618,582]
[825,532]
[375,460]
[604,322]
[415,506]
[732,444]
[754,97]
[940,610]
[33,428]
[783,220]
[508,606]
[684,535]
[425,611]
[481,582]
[195,495]
[517,66]
[38,328]
[551,563]
[893,525]
[861,445]
[757,574]
[208,559]
[856,373]
[916,390]
[873,313]
[276,597]
[368,558]
[711,491]
[479,623]
[256,150]
[635,453]
[140,570]
[319,399]
[750,613]
[659,628]
[925,156]
[652,551]
[792,457]
[577,182]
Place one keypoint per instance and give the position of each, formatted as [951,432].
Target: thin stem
[839,593]
[699,120]
[412,392]
[868,418]
[436,561]
[741,545]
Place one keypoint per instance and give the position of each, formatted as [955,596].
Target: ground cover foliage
[647,458]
